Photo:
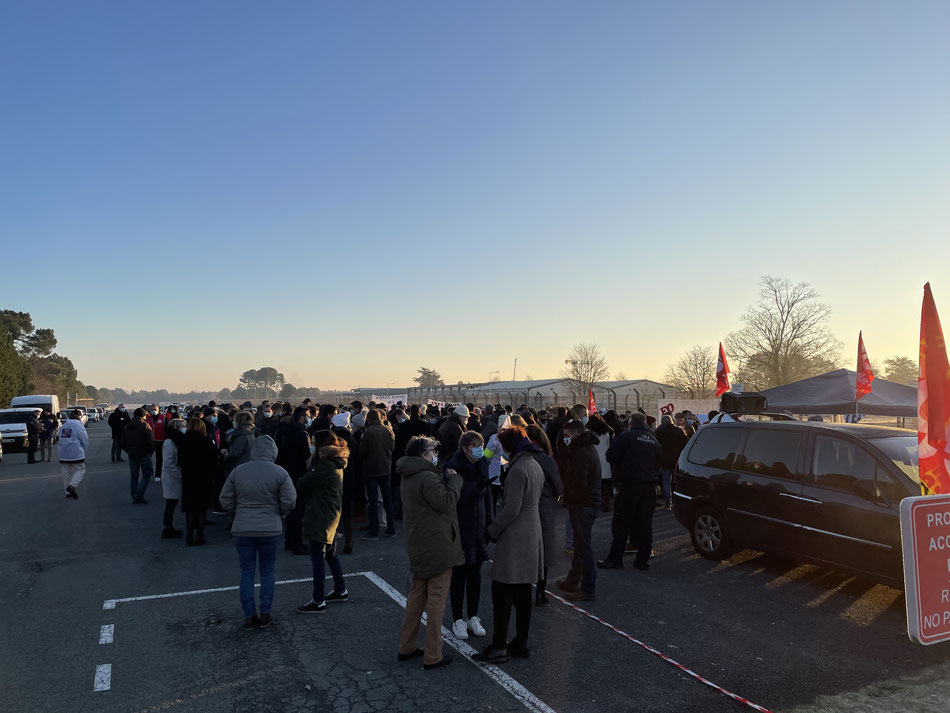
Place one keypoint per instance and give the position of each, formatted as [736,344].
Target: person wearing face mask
[475,513]
[293,454]
[171,475]
[118,420]
[429,500]
[375,453]
[157,420]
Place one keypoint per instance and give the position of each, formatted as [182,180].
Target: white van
[13,428]
[50,402]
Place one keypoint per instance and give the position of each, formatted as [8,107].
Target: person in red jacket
[158,420]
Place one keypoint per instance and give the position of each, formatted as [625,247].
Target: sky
[349,191]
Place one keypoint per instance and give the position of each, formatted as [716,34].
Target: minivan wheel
[709,535]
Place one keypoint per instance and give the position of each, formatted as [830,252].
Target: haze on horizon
[348,193]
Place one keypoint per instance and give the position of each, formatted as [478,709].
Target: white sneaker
[476,626]
[459,629]
[158,480]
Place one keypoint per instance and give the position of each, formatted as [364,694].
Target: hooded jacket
[73,442]
[449,434]
[242,440]
[258,493]
[429,516]
[321,492]
[635,457]
[582,472]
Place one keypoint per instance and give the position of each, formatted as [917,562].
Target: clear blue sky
[248,182]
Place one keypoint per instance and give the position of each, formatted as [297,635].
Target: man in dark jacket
[118,420]
[672,441]
[635,457]
[451,431]
[139,442]
[582,496]
[32,435]
[293,453]
[376,452]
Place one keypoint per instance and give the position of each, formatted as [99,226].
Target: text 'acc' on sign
[925,538]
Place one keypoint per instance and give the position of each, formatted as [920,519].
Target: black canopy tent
[833,393]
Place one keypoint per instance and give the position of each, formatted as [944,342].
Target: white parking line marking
[107,633]
[103,677]
[111,603]
[527,698]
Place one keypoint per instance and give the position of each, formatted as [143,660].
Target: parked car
[820,492]
[84,417]
[13,428]
[92,414]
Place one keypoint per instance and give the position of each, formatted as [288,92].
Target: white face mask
[567,440]
[435,459]
[313,449]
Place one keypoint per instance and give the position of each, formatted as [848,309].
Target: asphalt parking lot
[780,634]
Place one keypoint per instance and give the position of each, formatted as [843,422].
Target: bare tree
[786,337]
[694,373]
[620,376]
[585,366]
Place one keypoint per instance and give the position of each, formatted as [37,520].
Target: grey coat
[171,471]
[519,554]
[258,493]
[242,440]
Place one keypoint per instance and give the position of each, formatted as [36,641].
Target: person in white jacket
[73,443]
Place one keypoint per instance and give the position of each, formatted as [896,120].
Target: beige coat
[519,554]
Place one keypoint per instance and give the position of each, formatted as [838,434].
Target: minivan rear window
[715,447]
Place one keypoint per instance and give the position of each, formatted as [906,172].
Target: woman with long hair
[321,491]
[519,555]
[198,459]
[548,508]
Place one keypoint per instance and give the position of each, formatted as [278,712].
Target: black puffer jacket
[672,441]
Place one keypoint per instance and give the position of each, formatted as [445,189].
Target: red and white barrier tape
[661,655]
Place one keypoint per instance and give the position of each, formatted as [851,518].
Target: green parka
[430,518]
[321,491]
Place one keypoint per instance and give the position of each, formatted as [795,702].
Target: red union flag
[722,373]
[591,406]
[865,375]
[933,401]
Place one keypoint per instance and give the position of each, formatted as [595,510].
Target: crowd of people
[468,484]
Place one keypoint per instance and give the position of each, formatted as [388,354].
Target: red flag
[722,373]
[933,401]
[865,375]
[591,406]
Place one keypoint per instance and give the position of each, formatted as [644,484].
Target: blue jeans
[666,475]
[249,549]
[583,566]
[140,485]
[373,486]
[319,553]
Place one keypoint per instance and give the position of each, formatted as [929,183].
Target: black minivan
[821,492]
